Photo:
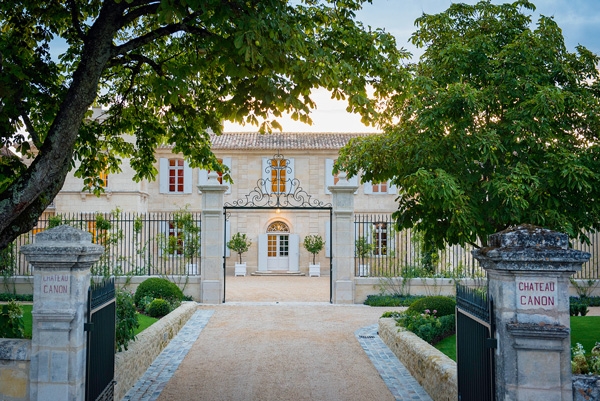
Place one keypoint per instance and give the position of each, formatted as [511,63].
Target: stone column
[213,240]
[528,272]
[62,258]
[342,235]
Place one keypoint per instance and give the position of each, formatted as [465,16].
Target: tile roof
[286,140]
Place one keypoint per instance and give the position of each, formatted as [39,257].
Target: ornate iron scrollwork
[278,191]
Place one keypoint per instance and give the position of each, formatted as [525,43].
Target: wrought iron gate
[474,345]
[100,365]
[278,192]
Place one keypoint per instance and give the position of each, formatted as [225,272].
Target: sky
[578,19]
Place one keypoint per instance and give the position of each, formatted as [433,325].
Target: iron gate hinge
[88,327]
[491,343]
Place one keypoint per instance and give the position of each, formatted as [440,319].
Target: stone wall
[434,371]
[15,355]
[586,388]
[364,286]
[131,364]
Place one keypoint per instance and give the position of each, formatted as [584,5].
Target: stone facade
[434,371]
[311,155]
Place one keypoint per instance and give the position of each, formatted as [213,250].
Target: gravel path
[280,352]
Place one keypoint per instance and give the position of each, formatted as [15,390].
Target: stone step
[269,273]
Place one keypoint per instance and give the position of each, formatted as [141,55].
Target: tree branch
[32,131]
[141,59]
[159,33]
[139,9]
[75,19]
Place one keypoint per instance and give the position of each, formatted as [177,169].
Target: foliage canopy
[171,72]
[500,126]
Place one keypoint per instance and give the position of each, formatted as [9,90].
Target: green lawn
[27,319]
[143,320]
[584,330]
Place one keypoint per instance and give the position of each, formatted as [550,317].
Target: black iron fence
[383,251]
[134,243]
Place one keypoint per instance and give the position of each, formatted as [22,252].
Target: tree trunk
[28,196]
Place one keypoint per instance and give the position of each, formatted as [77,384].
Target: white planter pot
[240,269]
[363,270]
[191,269]
[314,270]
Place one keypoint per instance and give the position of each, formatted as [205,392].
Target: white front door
[278,250]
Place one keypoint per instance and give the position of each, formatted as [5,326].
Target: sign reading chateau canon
[59,284]
[536,293]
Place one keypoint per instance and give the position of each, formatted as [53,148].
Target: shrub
[158,308]
[156,287]
[11,321]
[144,302]
[391,300]
[583,364]
[578,308]
[7,296]
[427,325]
[126,322]
[443,305]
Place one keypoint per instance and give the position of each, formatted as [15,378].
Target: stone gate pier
[528,276]
[62,258]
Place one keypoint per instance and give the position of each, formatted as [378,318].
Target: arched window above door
[278,227]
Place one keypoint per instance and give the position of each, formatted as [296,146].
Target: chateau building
[304,165]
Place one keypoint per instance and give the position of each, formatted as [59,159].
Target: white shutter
[392,189]
[266,175]
[227,162]
[327,239]
[163,239]
[289,177]
[294,252]
[228,237]
[187,178]
[262,252]
[368,188]
[203,174]
[163,175]
[202,177]
[328,175]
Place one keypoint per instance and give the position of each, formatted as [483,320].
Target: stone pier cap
[67,245]
[528,247]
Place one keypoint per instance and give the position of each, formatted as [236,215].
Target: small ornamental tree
[239,243]
[314,244]
[363,247]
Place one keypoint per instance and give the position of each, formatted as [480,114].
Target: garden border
[132,363]
[434,371]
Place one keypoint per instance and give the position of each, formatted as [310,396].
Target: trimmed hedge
[441,304]
[156,287]
[158,308]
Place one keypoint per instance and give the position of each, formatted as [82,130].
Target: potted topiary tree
[314,244]
[363,250]
[239,243]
